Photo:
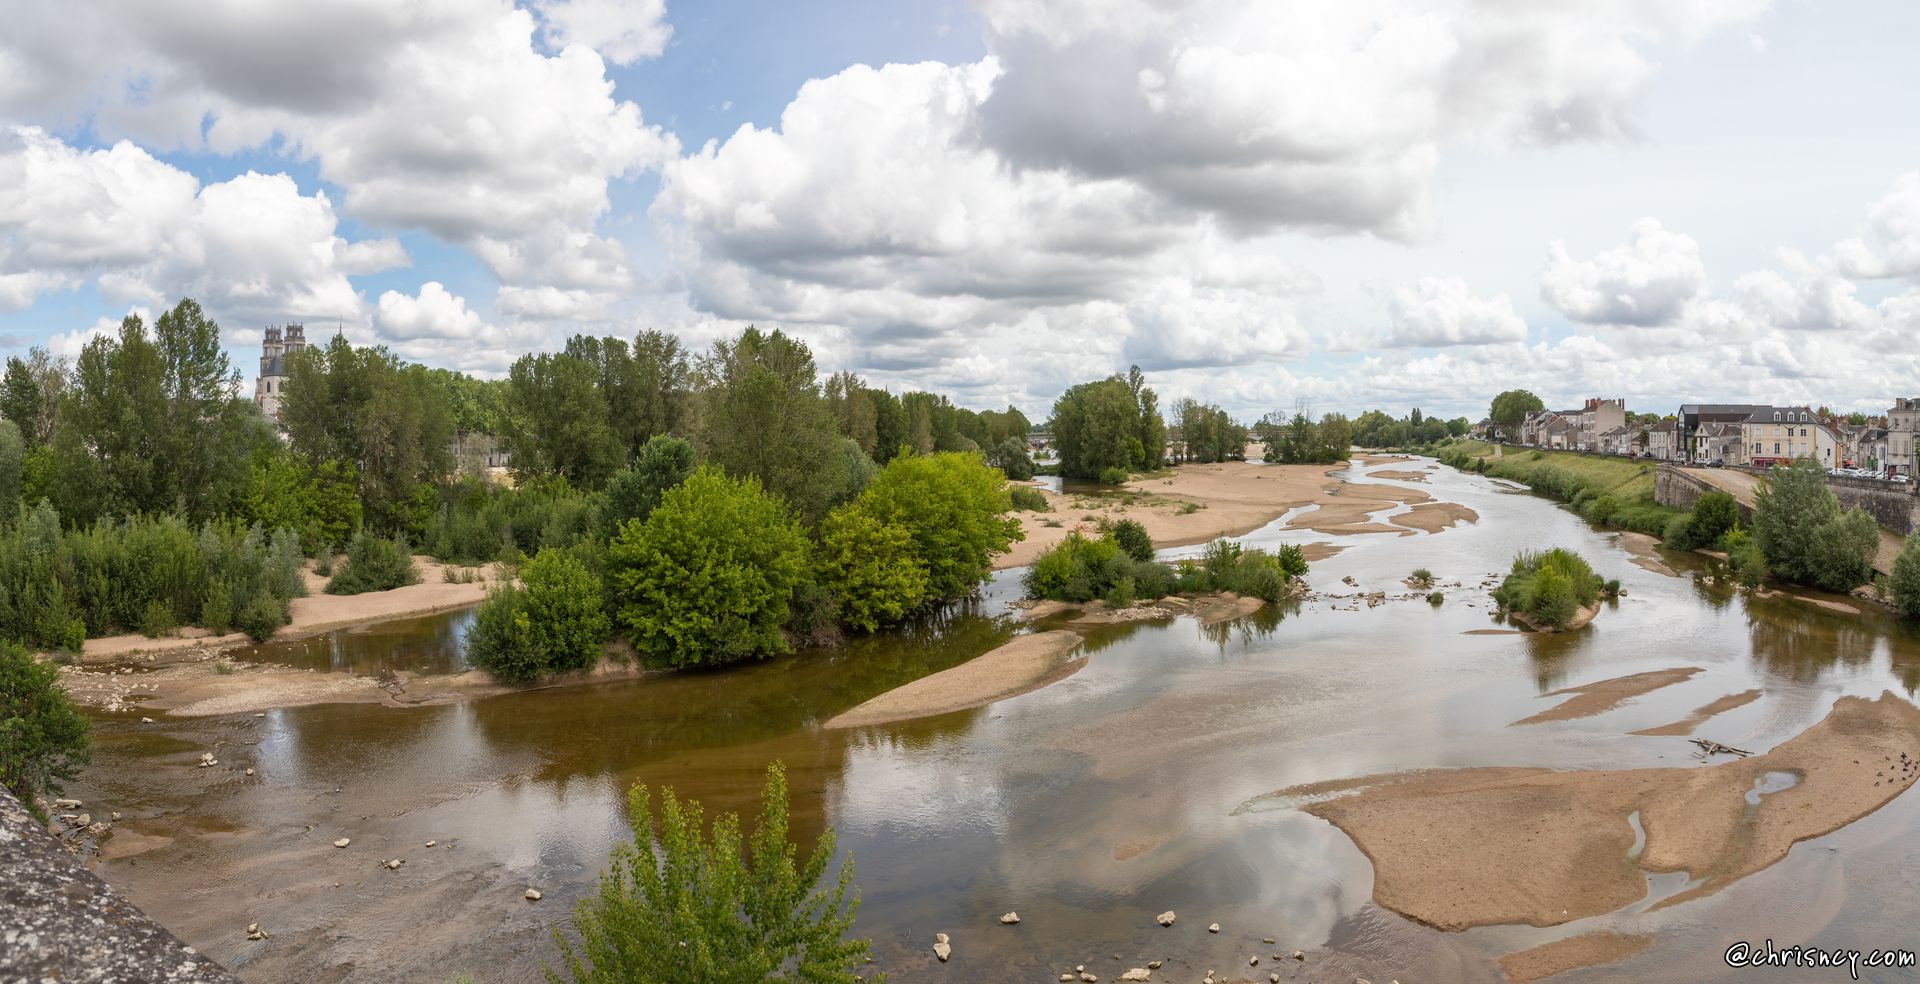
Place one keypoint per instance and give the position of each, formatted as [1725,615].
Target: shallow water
[1133,787]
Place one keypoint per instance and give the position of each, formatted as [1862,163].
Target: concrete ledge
[60,923]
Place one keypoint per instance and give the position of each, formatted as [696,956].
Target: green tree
[716,907]
[708,576]
[871,566]
[558,421]
[1011,457]
[1804,536]
[43,738]
[1512,407]
[763,416]
[20,398]
[13,459]
[955,508]
[553,623]
[1095,427]
[318,501]
[1903,584]
[632,493]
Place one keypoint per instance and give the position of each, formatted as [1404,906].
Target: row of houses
[1748,435]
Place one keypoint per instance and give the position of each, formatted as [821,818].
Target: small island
[1552,591]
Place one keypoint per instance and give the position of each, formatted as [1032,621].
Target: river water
[1132,787]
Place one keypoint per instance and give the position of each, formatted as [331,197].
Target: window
[1776,416]
[1776,447]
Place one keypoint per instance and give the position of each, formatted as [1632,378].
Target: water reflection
[426,644]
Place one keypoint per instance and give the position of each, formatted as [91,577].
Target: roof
[1667,426]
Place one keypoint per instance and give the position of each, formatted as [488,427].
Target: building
[1778,435]
[272,381]
[1597,417]
[1692,415]
[1619,440]
[1663,440]
[1903,426]
[1714,440]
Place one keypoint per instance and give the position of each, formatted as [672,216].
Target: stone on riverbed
[1165,918]
[1137,974]
[941,947]
[342,842]
[533,895]
[1010,919]
[1215,928]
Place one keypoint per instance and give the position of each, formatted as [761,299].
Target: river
[1130,788]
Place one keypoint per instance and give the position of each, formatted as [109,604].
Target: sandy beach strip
[1024,664]
[1489,846]
[1432,517]
[1572,953]
[1602,696]
[1700,714]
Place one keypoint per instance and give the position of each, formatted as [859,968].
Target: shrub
[157,619]
[1421,576]
[323,562]
[815,618]
[870,567]
[216,613]
[1903,587]
[554,623]
[43,737]
[1113,476]
[374,564]
[632,493]
[1131,538]
[954,508]
[1434,598]
[262,617]
[1549,587]
[699,903]
[1028,499]
[707,578]
[1122,593]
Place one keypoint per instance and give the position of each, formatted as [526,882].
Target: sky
[1265,205]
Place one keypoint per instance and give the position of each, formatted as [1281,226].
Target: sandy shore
[1602,696]
[1640,549]
[1198,503]
[1700,714]
[1027,663]
[320,612]
[1489,846]
[1561,956]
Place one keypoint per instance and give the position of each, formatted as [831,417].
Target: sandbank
[1602,696]
[1399,476]
[1574,952]
[1024,664]
[1700,714]
[1432,517]
[1640,549]
[1488,846]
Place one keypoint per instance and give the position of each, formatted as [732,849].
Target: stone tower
[272,381]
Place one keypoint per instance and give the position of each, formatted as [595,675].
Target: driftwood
[1715,748]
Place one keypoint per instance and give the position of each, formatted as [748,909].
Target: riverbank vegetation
[1105,429]
[43,737]
[1299,440]
[690,901]
[1614,492]
[1549,588]
[1800,529]
[1081,569]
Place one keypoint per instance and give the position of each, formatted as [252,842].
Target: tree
[1011,457]
[390,421]
[1512,407]
[558,421]
[632,493]
[318,501]
[553,623]
[1112,424]
[870,566]
[13,456]
[718,907]
[1804,536]
[1903,583]
[763,417]
[954,506]
[43,738]
[707,577]
[20,398]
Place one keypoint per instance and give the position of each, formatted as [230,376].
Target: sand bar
[1489,846]
[1602,696]
[1700,714]
[1572,953]
[1432,517]
[1026,663]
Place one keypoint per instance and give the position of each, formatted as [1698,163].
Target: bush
[323,562]
[1434,598]
[1028,499]
[870,567]
[1113,476]
[954,508]
[216,613]
[374,564]
[552,624]
[708,577]
[699,903]
[264,615]
[1548,588]
[632,493]
[157,619]
[1421,577]
[1903,587]
[43,737]
[1131,538]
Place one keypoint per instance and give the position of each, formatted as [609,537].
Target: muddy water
[1128,789]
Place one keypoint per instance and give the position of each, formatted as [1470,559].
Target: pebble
[342,842]
[1137,974]
[1273,979]
[249,772]
[1010,919]
[1215,928]
[1089,979]
[394,865]
[1165,918]
[1154,965]
[1268,941]
[146,720]
[430,843]
[1299,955]
[261,714]
[1253,961]
[533,895]
[1067,977]
[942,948]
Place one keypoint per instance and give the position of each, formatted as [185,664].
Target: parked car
[1715,463]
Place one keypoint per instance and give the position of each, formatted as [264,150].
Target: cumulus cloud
[1892,248]
[441,115]
[1440,311]
[435,325]
[1647,282]
[1804,296]
[624,31]
[252,247]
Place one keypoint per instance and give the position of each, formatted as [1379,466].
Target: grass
[223,667]
[1615,492]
